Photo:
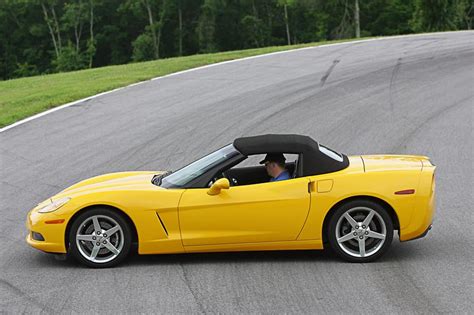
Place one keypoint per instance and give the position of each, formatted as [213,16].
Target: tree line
[46,36]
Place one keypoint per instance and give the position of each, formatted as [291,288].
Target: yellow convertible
[226,202]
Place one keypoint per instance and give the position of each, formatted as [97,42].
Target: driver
[275,166]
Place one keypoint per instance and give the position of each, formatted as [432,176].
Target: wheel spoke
[350,219]
[376,235]
[93,238]
[369,217]
[367,227]
[111,231]
[112,248]
[85,237]
[346,237]
[95,251]
[362,247]
[97,227]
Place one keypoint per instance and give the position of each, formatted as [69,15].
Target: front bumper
[52,233]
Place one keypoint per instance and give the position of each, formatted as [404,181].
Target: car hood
[113,181]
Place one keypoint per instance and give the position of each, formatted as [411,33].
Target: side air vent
[162,224]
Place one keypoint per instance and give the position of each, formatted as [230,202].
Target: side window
[331,153]
[254,160]
[251,160]
[291,159]
[250,171]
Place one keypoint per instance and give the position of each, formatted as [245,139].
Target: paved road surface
[412,95]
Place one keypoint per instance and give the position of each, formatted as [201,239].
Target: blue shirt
[283,175]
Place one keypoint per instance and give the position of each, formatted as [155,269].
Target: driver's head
[274,164]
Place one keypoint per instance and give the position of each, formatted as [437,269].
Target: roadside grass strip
[24,97]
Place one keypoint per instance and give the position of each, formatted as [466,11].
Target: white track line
[52,110]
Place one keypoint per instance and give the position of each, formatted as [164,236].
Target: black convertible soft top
[314,162]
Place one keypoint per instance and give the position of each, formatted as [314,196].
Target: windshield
[199,167]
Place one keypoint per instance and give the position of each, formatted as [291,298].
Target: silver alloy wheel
[360,232]
[99,239]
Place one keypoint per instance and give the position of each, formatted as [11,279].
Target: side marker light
[405,192]
[58,221]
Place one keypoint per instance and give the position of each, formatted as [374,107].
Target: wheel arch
[127,218]
[390,210]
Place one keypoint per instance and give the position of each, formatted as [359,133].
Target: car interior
[253,174]
[247,175]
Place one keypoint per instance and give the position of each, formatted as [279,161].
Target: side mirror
[218,185]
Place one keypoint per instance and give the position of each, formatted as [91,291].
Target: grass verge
[24,97]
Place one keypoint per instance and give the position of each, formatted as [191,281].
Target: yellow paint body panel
[366,177]
[133,194]
[267,212]
[269,216]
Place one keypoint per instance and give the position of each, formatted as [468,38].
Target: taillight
[433,183]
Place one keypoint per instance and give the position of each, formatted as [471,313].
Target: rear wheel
[360,231]
[100,238]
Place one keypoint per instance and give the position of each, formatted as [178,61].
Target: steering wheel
[232,180]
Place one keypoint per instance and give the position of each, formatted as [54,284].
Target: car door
[266,212]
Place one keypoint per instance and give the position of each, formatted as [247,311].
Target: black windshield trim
[197,180]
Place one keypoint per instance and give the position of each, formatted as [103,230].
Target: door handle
[311,186]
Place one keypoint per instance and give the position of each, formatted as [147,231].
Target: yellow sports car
[226,201]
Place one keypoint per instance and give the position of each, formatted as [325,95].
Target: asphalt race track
[409,95]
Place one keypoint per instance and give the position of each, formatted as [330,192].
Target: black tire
[120,240]
[350,249]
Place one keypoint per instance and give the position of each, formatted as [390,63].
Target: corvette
[224,202]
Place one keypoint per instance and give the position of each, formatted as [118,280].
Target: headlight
[54,205]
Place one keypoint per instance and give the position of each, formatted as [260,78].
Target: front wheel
[360,231]
[100,238]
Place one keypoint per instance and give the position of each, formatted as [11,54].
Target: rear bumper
[419,236]
[423,208]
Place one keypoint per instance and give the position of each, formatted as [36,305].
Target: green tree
[465,12]
[384,17]
[52,21]
[143,48]
[155,12]
[207,26]
[44,36]
[69,59]
[285,4]
[434,15]
[25,70]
